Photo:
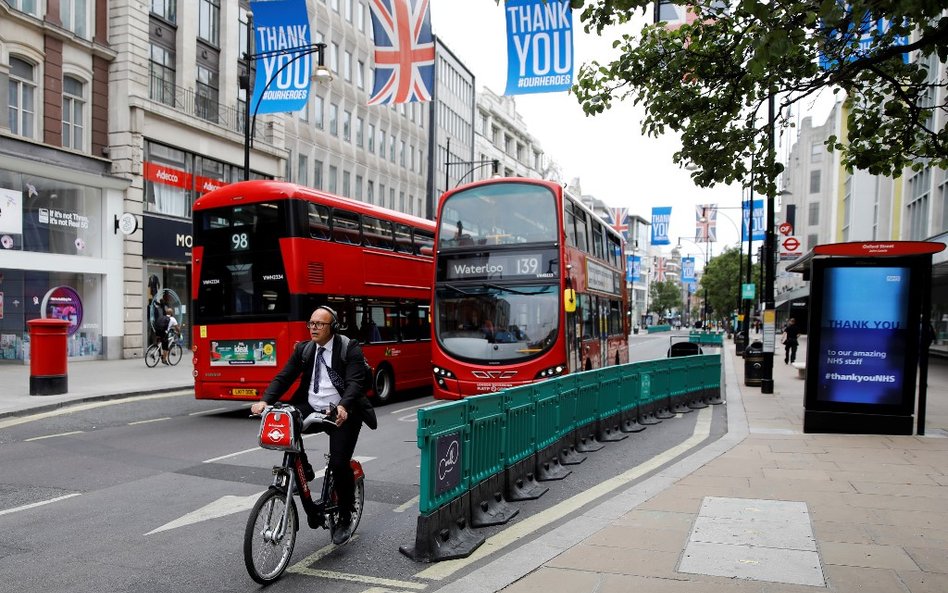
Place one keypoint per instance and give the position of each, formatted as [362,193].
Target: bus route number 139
[527,265]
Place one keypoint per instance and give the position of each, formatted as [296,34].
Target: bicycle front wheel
[174,355]
[268,542]
[152,356]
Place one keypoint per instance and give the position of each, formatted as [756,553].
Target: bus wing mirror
[569,300]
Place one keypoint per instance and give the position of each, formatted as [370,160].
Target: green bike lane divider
[482,454]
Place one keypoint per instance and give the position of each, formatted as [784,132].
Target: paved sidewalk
[90,380]
[766,505]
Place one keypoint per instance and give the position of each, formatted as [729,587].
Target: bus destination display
[500,266]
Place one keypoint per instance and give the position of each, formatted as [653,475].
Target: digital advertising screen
[865,346]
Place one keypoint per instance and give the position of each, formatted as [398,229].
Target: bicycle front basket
[278,431]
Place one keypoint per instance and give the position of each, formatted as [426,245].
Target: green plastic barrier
[610,397]
[443,429]
[587,404]
[521,424]
[488,418]
[659,328]
[546,399]
[629,389]
[569,399]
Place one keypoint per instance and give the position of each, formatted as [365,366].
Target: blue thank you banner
[539,46]
[687,269]
[756,213]
[282,81]
[633,268]
[661,219]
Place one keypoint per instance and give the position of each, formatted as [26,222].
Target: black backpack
[161,325]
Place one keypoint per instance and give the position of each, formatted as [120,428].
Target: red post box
[48,356]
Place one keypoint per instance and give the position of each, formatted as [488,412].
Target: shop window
[58,217]
[168,182]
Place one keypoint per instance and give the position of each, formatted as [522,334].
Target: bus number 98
[239,241]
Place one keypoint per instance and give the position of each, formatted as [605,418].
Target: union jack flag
[404,51]
[658,272]
[706,223]
[617,221]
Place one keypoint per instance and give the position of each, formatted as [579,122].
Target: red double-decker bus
[267,253]
[529,284]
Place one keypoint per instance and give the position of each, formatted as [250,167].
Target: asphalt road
[152,494]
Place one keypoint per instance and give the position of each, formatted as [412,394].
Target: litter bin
[48,356]
[754,364]
[739,343]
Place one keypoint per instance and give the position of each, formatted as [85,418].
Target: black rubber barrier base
[715,398]
[549,468]
[444,534]
[586,439]
[49,384]
[609,431]
[488,506]
[522,481]
[568,453]
[664,411]
[630,421]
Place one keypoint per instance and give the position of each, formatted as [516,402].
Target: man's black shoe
[342,532]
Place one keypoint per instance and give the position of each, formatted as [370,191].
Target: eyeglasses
[317,324]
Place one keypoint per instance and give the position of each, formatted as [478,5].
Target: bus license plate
[243,392]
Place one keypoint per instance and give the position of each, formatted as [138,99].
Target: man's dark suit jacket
[350,367]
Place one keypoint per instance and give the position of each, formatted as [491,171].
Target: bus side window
[424,243]
[345,227]
[403,238]
[319,222]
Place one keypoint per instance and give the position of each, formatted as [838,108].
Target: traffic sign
[790,248]
[785,228]
[748,291]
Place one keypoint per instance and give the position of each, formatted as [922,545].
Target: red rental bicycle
[271,528]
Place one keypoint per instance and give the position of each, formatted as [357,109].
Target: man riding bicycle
[165,329]
[330,380]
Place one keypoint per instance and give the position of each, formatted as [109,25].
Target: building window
[209,21]
[333,119]
[347,66]
[360,73]
[358,132]
[27,6]
[815,181]
[371,136]
[346,176]
[346,125]
[919,188]
[847,205]
[816,152]
[391,198]
[370,192]
[302,170]
[333,175]
[347,10]
[74,106]
[162,75]
[334,57]
[318,174]
[166,9]
[401,153]
[358,187]
[391,148]
[22,96]
[74,15]
[811,241]
[318,112]
[813,214]
[360,16]
[206,94]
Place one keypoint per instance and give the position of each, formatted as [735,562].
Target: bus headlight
[551,372]
[441,374]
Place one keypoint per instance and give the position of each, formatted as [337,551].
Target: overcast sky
[613,160]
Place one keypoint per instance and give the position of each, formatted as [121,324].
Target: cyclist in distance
[163,326]
[330,381]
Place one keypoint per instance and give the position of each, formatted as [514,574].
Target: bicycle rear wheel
[152,356]
[267,554]
[358,504]
[174,355]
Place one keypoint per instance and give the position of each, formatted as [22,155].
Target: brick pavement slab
[866,556]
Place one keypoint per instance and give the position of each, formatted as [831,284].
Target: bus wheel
[384,384]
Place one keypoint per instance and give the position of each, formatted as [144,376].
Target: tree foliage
[722,279]
[710,81]
[665,296]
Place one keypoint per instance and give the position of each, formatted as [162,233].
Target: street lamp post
[767,375]
[250,120]
[475,166]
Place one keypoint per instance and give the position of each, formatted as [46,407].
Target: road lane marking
[212,411]
[149,421]
[69,409]
[302,567]
[542,519]
[257,448]
[38,504]
[406,505]
[400,410]
[51,436]
[223,506]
